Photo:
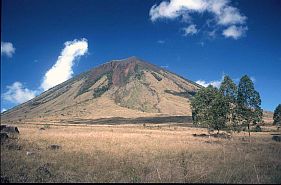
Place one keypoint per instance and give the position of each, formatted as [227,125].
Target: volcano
[125,88]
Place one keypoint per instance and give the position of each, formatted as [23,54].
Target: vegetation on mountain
[86,86]
[99,91]
[157,77]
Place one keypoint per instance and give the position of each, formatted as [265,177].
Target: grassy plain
[137,153]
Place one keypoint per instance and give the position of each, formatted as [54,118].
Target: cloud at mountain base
[62,69]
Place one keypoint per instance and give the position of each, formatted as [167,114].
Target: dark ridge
[139,120]
[186,94]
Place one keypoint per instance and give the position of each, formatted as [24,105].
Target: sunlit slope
[119,88]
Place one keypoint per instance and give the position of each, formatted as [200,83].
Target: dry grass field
[137,153]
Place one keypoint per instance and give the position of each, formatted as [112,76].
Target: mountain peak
[112,89]
[132,58]
[129,59]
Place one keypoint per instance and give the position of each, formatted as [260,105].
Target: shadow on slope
[140,120]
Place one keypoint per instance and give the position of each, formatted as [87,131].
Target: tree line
[228,106]
[277,116]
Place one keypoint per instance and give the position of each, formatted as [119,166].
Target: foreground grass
[133,153]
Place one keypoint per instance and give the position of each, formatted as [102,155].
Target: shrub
[46,126]
[157,77]
[99,91]
[257,129]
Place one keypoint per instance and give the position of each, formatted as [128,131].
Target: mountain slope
[119,88]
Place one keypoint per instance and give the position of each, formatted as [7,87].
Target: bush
[257,129]
[139,75]
[46,126]
[90,82]
[99,91]
[156,76]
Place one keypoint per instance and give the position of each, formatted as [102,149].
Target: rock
[4,179]
[10,129]
[44,170]
[42,128]
[4,136]
[222,135]
[276,138]
[30,153]
[213,142]
[13,146]
[2,127]
[55,147]
[243,139]
[200,135]
[258,129]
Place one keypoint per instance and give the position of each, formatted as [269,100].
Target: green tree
[277,116]
[219,111]
[229,90]
[248,103]
[200,105]
[209,108]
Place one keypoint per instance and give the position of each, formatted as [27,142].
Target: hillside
[120,88]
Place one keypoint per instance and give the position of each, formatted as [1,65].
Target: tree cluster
[228,106]
[277,116]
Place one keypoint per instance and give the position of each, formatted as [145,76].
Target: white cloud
[62,69]
[212,34]
[206,84]
[253,79]
[17,93]
[7,49]
[190,30]
[217,6]
[234,31]
[215,83]
[202,44]
[231,15]
[175,8]
[186,18]
[222,12]
[161,42]
[3,110]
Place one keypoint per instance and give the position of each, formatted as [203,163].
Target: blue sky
[201,40]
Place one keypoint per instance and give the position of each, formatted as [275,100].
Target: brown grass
[134,153]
